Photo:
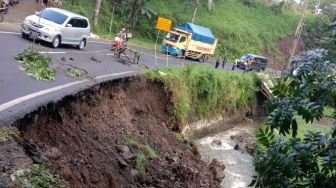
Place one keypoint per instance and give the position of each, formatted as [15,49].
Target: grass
[149,151]
[140,159]
[144,43]
[144,152]
[304,127]
[240,28]
[130,141]
[204,91]
[179,137]
[8,133]
[39,176]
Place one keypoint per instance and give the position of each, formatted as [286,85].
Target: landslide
[101,137]
[278,57]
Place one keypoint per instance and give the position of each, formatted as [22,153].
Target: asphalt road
[15,85]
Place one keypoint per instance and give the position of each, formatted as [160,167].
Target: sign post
[163,24]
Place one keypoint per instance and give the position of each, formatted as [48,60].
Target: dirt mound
[114,135]
[277,58]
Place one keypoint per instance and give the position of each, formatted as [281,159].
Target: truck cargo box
[199,33]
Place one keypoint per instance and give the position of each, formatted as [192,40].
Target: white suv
[57,26]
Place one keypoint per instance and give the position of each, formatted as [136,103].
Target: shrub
[205,91]
[305,90]
[39,176]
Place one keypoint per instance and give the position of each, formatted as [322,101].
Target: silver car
[57,26]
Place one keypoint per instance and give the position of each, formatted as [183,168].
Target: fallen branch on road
[36,65]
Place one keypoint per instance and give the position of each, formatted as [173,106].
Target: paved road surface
[15,84]
[20,93]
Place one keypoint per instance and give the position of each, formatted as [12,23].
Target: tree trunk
[210,4]
[96,12]
[195,12]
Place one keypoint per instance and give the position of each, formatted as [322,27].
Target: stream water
[239,167]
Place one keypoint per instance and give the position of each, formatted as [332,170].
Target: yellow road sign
[163,24]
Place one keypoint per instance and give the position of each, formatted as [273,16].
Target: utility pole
[297,34]
[195,11]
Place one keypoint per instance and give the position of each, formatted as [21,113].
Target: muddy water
[239,167]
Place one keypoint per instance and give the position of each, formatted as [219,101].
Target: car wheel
[82,44]
[24,35]
[56,42]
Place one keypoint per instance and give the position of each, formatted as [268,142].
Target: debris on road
[36,65]
[95,59]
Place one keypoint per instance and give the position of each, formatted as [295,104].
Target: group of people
[249,62]
[224,62]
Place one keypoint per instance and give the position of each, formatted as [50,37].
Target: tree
[96,12]
[131,11]
[305,90]
[210,2]
[195,11]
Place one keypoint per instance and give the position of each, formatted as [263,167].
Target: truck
[191,41]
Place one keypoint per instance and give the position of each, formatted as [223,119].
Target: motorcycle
[4,5]
[13,2]
[118,43]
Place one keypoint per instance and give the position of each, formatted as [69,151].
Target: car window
[53,16]
[78,23]
[84,23]
[74,22]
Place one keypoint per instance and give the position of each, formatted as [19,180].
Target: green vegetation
[73,72]
[8,133]
[144,152]
[308,158]
[130,141]
[179,137]
[304,127]
[39,176]
[149,151]
[140,159]
[36,65]
[204,91]
[240,26]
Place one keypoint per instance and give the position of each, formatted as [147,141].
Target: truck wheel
[202,59]
[181,53]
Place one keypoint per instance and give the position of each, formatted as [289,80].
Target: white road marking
[100,42]
[8,32]
[14,102]
[114,55]
[76,52]
[52,52]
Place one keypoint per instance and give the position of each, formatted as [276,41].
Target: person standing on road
[249,63]
[224,62]
[217,63]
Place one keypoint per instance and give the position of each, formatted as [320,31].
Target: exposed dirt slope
[283,46]
[84,139]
